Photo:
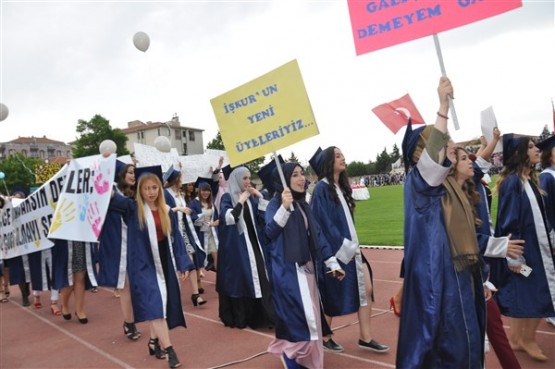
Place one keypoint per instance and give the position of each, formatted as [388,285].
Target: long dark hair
[126,189]
[546,158]
[517,164]
[343,181]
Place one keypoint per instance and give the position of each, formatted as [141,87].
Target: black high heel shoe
[130,330]
[173,361]
[155,349]
[84,320]
[197,299]
[65,316]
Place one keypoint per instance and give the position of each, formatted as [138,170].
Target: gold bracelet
[442,116]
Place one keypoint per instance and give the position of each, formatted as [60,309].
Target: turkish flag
[395,114]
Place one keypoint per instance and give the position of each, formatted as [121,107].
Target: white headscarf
[235,183]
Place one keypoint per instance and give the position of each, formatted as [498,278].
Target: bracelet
[442,116]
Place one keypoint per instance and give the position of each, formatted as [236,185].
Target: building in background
[187,140]
[36,147]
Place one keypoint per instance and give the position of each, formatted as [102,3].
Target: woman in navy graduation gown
[184,214]
[522,215]
[156,260]
[242,280]
[293,249]
[492,248]
[333,205]
[547,184]
[74,272]
[113,248]
[206,223]
[443,320]
[547,181]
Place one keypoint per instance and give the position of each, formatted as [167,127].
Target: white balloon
[3,112]
[162,143]
[107,147]
[141,41]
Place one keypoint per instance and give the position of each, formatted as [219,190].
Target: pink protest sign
[380,24]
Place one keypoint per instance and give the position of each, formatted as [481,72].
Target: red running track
[31,338]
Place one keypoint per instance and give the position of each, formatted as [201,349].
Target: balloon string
[155,89]
[24,166]
[6,187]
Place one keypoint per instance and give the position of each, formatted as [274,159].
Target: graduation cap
[120,166]
[317,161]
[202,183]
[510,144]
[410,141]
[155,169]
[266,174]
[228,169]
[547,144]
[19,191]
[171,174]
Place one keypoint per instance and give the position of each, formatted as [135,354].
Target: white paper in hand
[525,270]
[488,123]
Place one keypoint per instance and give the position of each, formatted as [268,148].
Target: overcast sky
[69,60]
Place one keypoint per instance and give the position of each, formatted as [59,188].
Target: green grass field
[379,220]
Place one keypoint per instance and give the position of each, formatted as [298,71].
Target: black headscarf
[296,235]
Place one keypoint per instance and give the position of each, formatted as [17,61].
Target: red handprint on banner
[94,218]
[100,184]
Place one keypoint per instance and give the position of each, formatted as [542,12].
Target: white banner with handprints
[150,155]
[84,200]
[25,222]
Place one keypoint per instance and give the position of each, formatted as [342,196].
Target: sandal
[37,303]
[197,299]
[130,330]
[55,310]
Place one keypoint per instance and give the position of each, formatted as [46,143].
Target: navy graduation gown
[291,297]
[443,323]
[520,214]
[153,295]
[345,296]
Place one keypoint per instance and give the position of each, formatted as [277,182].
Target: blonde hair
[160,204]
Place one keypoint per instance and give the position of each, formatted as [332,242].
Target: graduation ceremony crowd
[290,260]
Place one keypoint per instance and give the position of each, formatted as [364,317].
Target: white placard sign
[149,155]
[214,157]
[126,159]
[194,166]
[489,122]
